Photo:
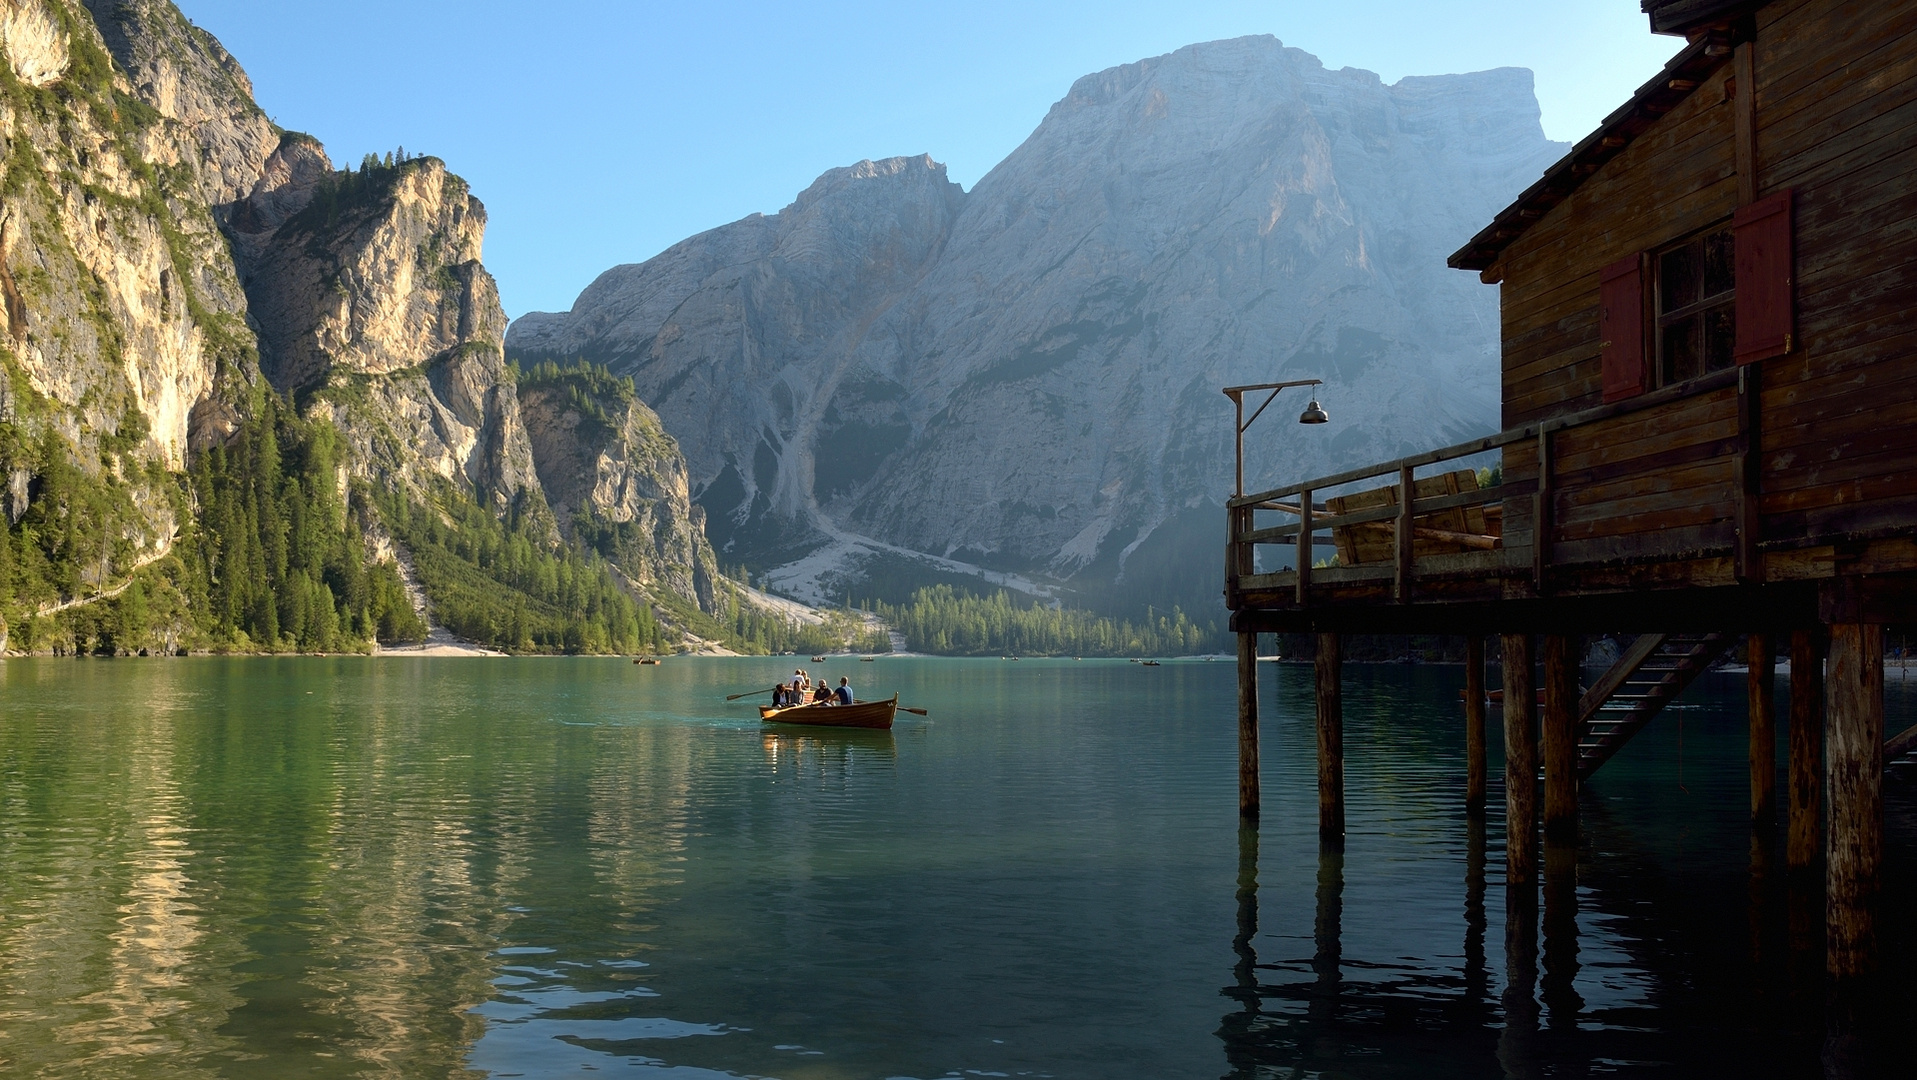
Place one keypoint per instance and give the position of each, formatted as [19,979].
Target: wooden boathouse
[1709,325]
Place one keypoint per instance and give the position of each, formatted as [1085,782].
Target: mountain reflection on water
[415,867]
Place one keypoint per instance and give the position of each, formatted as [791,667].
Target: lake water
[438,867]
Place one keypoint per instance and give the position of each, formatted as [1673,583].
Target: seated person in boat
[844,692]
[822,695]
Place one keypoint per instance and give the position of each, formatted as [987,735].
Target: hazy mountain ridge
[1026,375]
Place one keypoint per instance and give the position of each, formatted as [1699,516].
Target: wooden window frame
[1657,319]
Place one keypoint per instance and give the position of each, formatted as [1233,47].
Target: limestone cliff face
[1027,375]
[615,479]
[124,325]
[372,305]
[165,249]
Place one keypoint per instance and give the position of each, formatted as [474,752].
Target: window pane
[1677,278]
[1720,275]
[1720,337]
[1678,353]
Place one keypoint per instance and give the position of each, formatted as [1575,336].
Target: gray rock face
[610,470]
[1027,375]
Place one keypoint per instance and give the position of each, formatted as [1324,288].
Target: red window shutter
[1621,328]
[1766,304]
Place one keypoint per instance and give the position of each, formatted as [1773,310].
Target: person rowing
[844,693]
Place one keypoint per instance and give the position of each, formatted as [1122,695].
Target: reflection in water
[1560,994]
[1517,1041]
[1327,936]
[1477,974]
[335,868]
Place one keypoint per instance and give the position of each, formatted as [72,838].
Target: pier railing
[1584,489]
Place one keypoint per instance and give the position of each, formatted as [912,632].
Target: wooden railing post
[1304,547]
[1407,493]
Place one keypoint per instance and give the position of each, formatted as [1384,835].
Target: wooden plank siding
[1837,121]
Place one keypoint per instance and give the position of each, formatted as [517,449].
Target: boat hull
[865,714]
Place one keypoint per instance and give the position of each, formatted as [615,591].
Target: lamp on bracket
[1313,414]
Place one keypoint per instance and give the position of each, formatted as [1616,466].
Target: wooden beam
[1761,660]
[1248,725]
[1304,548]
[1541,520]
[1900,745]
[1407,494]
[1744,113]
[1747,471]
[1331,739]
[1560,739]
[1520,763]
[1474,701]
[1626,666]
[1854,775]
[1807,749]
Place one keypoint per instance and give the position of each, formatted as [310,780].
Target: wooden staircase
[1649,676]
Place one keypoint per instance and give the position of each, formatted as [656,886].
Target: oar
[914,712]
[749,693]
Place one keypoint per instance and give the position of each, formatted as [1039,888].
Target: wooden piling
[1854,775]
[1520,763]
[1806,749]
[1474,761]
[1248,725]
[1560,739]
[1761,659]
[1331,739]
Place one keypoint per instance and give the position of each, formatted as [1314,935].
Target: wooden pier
[1709,443]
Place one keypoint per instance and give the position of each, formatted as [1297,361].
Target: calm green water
[420,867]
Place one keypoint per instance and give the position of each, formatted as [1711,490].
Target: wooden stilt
[1474,767]
[1560,739]
[1854,774]
[1807,749]
[1331,739]
[1762,661]
[1248,725]
[1520,763]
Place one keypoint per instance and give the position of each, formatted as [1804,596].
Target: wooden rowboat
[865,714]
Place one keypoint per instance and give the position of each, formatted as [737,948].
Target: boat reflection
[841,749]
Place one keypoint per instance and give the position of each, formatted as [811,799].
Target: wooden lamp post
[1248,643]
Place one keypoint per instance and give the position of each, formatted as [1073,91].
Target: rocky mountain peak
[1026,375]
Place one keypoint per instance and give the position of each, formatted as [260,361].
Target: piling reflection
[1477,973]
[1517,1039]
[1559,993]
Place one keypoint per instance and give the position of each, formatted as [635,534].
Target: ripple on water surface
[429,867]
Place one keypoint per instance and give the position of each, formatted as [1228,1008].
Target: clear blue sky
[601,131]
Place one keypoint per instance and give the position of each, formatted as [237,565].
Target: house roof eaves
[1686,71]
